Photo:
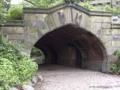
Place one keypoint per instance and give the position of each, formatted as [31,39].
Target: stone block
[27,87]
[15,36]
[13,30]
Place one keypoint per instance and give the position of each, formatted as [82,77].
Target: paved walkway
[66,78]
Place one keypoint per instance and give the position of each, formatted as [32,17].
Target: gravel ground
[66,78]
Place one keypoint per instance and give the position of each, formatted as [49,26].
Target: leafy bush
[26,69]
[15,12]
[7,73]
[117,53]
[113,10]
[15,68]
[105,8]
[2,12]
[115,67]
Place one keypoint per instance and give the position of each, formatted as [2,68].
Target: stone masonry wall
[37,23]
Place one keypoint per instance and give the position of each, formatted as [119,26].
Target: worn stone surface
[13,30]
[13,88]
[40,78]
[27,87]
[66,78]
[113,58]
[38,23]
[34,80]
[30,83]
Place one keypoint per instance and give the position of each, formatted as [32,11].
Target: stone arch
[68,44]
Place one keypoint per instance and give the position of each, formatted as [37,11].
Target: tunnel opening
[71,45]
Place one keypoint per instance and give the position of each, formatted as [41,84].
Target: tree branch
[31,2]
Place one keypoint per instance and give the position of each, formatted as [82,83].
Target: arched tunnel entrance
[72,46]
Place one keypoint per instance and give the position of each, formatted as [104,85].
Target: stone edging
[14,23]
[21,23]
[61,6]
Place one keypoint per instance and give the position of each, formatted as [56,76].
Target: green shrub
[7,73]
[117,53]
[15,13]
[26,69]
[105,8]
[15,68]
[113,10]
[115,67]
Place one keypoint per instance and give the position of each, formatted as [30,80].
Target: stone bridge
[68,34]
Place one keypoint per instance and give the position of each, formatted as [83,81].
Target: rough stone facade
[38,22]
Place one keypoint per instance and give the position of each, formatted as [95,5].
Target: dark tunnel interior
[73,46]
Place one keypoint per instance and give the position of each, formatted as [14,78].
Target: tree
[1,16]
[4,6]
[2,12]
